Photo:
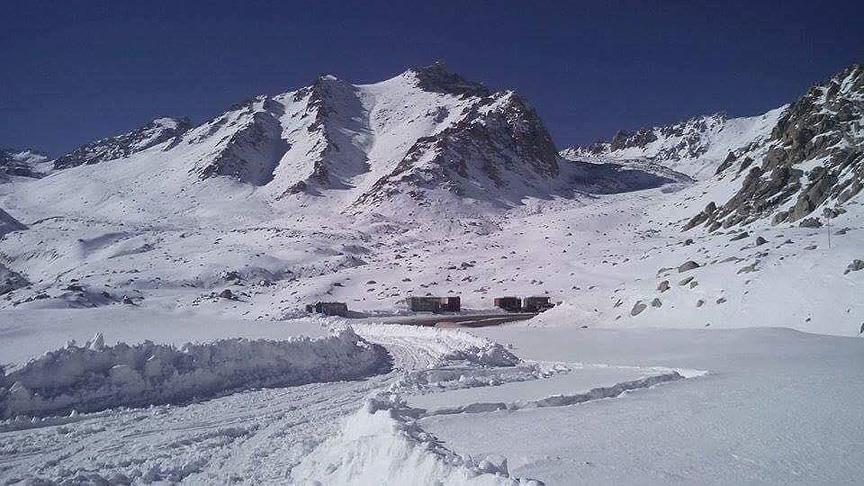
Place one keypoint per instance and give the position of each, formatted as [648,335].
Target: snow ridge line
[598,393]
[96,377]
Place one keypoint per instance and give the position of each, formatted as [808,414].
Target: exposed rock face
[814,157]
[9,224]
[425,130]
[253,150]
[810,223]
[679,140]
[624,139]
[786,163]
[855,266]
[687,266]
[121,146]
[10,280]
[437,78]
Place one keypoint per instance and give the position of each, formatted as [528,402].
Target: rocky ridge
[121,146]
[814,159]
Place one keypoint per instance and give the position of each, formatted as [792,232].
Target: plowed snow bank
[95,377]
[382,444]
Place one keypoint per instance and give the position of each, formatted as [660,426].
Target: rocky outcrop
[9,224]
[10,280]
[687,266]
[438,79]
[814,158]
[677,145]
[686,138]
[855,266]
[698,147]
[252,151]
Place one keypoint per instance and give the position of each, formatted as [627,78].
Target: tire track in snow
[263,436]
[598,393]
[249,437]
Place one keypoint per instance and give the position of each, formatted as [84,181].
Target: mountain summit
[425,129]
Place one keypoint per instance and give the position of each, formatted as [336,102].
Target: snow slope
[754,416]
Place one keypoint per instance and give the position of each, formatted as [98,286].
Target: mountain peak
[170,122]
[437,78]
[438,66]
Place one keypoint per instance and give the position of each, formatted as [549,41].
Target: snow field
[765,414]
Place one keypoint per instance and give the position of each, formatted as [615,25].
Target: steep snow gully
[329,410]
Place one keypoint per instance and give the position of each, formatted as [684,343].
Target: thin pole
[828,219]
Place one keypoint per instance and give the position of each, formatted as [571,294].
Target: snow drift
[95,377]
[383,444]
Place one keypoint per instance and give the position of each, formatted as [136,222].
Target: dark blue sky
[73,71]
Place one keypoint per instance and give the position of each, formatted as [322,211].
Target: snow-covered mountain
[22,163]
[782,165]
[306,181]
[424,130]
[812,160]
[696,147]
[422,183]
[425,138]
